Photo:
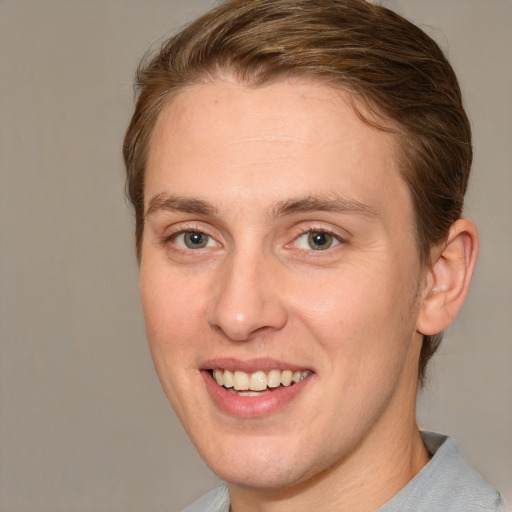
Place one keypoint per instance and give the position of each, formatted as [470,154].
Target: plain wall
[84,425]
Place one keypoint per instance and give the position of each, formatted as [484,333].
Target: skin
[349,313]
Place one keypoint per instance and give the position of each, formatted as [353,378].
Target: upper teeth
[257,381]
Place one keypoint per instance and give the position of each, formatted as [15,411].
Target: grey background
[84,425]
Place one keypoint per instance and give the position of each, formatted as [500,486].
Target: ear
[448,278]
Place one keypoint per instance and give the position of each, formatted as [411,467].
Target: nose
[248,297]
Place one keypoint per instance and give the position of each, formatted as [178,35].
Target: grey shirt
[446,484]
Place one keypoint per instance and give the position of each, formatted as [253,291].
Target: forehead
[291,137]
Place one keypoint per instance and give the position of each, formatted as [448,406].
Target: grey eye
[320,240]
[195,240]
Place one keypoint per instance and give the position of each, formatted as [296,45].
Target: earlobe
[447,280]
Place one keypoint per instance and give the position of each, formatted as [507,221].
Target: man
[298,170]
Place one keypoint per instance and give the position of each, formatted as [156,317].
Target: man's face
[279,239]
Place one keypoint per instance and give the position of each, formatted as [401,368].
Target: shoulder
[447,483]
[215,500]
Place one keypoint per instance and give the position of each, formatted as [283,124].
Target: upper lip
[251,365]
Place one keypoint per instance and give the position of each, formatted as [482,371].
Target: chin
[267,476]
[264,464]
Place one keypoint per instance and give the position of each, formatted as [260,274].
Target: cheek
[360,315]
[171,312]
[171,305]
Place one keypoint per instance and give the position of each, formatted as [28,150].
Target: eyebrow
[168,202]
[310,203]
[327,204]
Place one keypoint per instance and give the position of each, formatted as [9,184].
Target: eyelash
[169,238]
[312,229]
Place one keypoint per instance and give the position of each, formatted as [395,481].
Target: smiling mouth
[257,383]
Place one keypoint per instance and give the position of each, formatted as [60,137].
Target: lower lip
[252,406]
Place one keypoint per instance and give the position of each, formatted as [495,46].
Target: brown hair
[390,66]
